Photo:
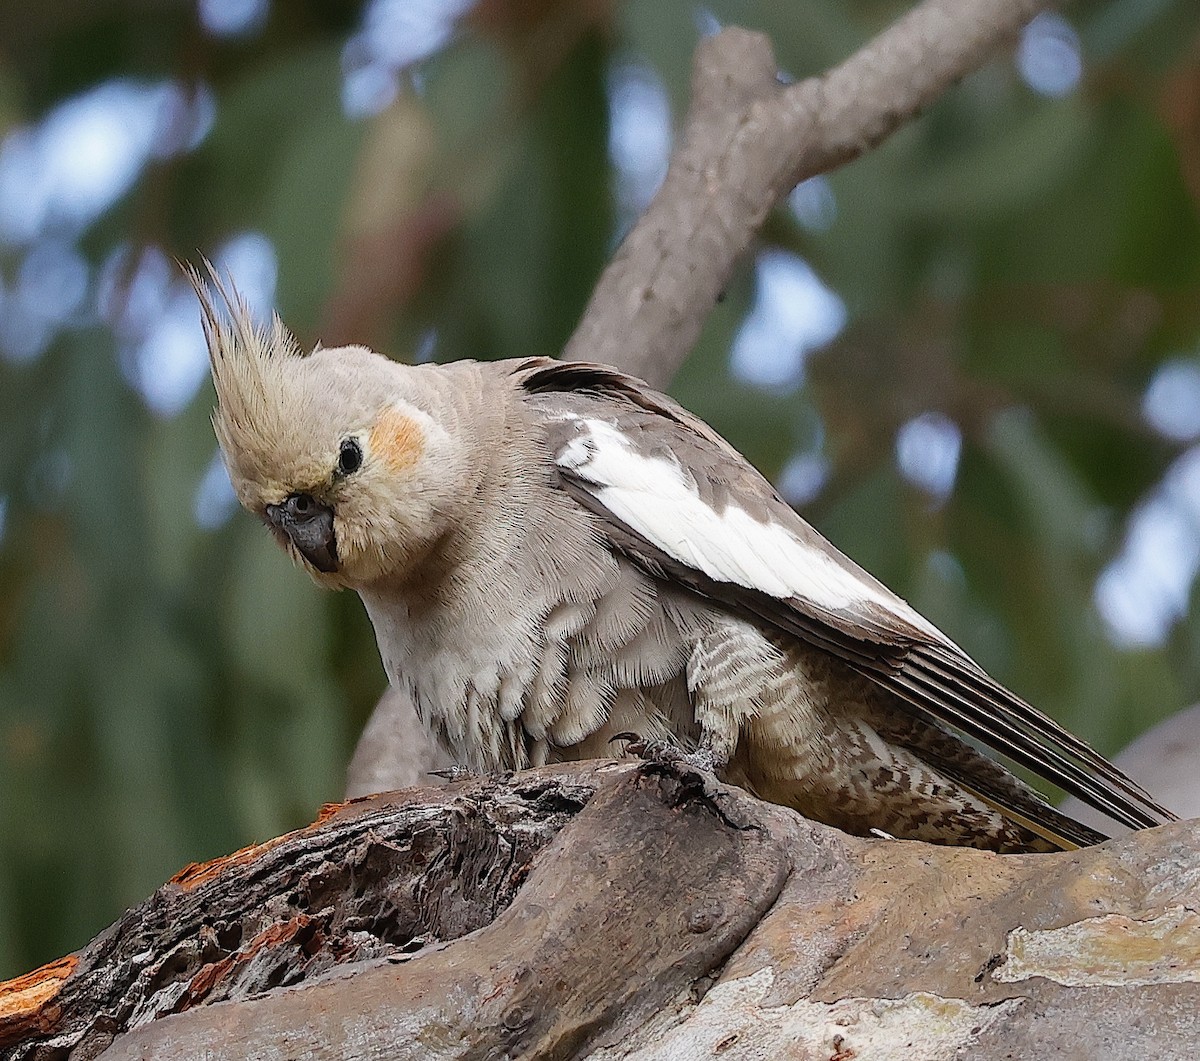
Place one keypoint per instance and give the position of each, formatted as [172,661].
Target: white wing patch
[654,498]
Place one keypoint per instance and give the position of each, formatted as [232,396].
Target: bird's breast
[517,681]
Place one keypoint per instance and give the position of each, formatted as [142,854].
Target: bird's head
[341,452]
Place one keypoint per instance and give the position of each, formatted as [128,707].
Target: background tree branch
[747,141]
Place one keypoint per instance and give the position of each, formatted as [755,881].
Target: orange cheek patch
[397,439]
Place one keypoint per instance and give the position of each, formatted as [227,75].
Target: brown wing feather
[934,679]
[985,778]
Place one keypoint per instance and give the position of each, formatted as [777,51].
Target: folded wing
[685,505]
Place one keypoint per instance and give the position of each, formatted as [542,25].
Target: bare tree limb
[747,141]
[631,912]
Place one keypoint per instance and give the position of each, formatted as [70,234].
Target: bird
[553,555]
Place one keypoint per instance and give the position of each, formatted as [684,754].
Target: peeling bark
[367,880]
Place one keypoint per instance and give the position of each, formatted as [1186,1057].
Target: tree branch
[604,911]
[747,141]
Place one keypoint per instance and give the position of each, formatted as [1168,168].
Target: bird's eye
[350,457]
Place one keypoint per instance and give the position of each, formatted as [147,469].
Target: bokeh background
[971,358]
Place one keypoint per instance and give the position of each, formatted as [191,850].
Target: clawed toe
[455,772]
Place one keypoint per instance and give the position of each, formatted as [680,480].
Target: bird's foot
[690,775]
[666,752]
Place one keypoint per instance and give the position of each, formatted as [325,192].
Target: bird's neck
[484,566]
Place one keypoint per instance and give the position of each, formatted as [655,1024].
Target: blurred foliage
[1019,263]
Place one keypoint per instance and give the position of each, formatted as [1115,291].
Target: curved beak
[309,526]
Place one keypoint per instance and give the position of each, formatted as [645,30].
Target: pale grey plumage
[554,554]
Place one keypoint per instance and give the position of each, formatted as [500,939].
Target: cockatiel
[553,553]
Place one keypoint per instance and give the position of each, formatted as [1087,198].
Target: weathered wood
[641,897]
[372,878]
